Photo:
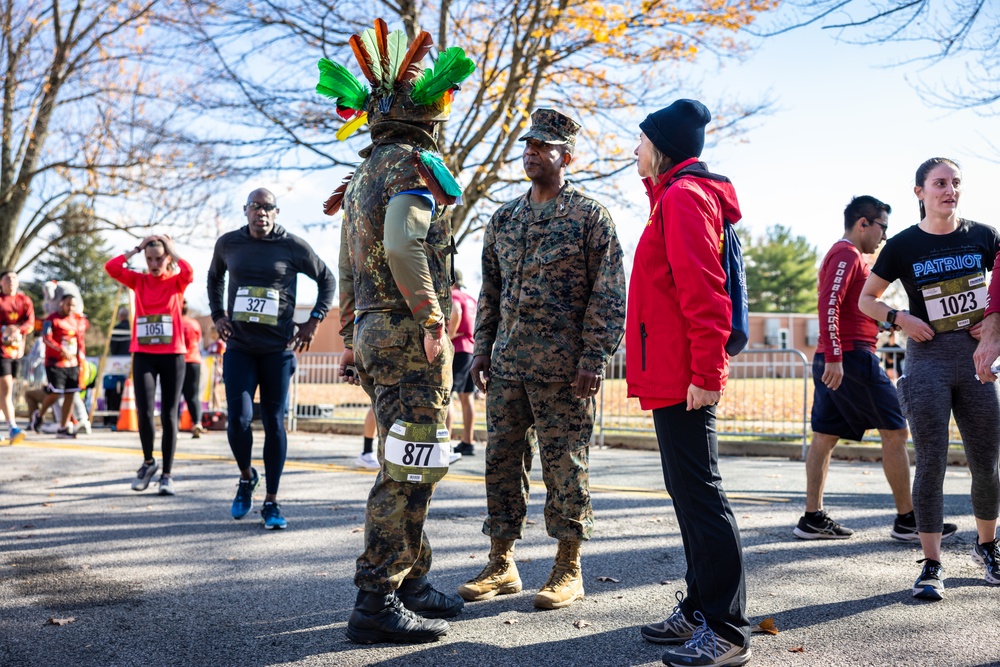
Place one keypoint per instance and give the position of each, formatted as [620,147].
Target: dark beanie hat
[678,131]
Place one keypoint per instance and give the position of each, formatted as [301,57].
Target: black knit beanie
[678,131]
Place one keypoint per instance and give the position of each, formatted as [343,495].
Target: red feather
[420,47]
[363,58]
[382,39]
[336,200]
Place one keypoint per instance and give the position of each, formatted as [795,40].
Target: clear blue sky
[844,124]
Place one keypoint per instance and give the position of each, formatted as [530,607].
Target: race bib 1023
[417,452]
[956,304]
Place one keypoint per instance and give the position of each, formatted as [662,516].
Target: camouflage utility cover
[552,127]
[553,296]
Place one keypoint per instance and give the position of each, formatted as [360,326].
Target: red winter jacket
[679,314]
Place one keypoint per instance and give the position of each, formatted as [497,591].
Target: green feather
[451,69]
[370,42]
[440,172]
[338,83]
[397,52]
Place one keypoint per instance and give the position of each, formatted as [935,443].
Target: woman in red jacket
[678,321]
[157,348]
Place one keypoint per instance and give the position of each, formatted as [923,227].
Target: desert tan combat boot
[499,577]
[565,584]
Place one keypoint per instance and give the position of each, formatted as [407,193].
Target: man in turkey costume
[395,301]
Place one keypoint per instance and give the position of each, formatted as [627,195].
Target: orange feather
[420,47]
[363,58]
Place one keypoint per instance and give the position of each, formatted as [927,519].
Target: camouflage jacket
[553,296]
[366,281]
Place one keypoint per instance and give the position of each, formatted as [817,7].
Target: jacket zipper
[642,331]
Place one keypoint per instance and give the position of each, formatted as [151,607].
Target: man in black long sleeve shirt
[263,262]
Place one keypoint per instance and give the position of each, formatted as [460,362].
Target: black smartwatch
[316,315]
[890,317]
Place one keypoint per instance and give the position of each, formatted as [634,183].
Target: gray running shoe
[676,629]
[706,649]
[166,485]
[930,584]
[143,475]
[988,555]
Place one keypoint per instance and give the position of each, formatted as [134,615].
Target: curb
[789,450]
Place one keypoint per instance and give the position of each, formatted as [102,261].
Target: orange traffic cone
[186,423]
[128,419]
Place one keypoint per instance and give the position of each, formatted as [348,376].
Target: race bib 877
[256,304]
[956,304]
[417,452]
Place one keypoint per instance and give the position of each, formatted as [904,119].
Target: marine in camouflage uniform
[551,313]
[395,299]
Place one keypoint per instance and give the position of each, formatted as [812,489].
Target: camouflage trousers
[562,425]
[389,354]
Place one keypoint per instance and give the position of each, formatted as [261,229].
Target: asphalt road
[152,580]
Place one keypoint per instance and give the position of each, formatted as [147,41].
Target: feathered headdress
[400,87]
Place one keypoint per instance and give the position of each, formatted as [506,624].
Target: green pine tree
[781,272]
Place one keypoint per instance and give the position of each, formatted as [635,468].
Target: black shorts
[865,399]
[460,373]
[10,367]
[62,380]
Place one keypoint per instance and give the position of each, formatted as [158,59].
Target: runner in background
[192,374]
[461,329]
[65,354]
[157,348]
[17,318]
[367,458]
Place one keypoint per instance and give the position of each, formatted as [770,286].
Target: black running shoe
[465,449]
[988,555]
[904,529]
[819,526]
[930,584]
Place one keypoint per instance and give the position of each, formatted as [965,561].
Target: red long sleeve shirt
[157,328]
[16,310]
[842,276]
[64,334]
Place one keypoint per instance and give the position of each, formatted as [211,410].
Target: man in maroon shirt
[852,392]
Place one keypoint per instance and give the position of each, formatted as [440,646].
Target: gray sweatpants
[941,379]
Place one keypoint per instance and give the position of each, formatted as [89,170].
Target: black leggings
[192,382]
[169,368]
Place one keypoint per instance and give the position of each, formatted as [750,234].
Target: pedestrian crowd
[551,313]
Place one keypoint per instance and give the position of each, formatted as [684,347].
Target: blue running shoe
[271,514]
[243,502]
[16,435]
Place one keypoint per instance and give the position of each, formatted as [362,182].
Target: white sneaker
[367,460]
[453,456]
[85,427]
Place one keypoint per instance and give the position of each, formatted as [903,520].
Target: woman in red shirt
[157,348]
[677,324]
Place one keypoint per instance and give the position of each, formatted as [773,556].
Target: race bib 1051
[417,452]
[256,304]
[154,329]
[956,304]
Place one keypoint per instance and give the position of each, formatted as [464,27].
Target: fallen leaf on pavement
[46,504]
[59,621]
[767,625]
[357,530]
[610,579]
[797,649]
[665,582]
[531,522]
[511,621]
[582,623]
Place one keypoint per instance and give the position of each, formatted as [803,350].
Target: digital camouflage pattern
[387,340]
[389,353]
[563,425]
[553,301]
[552,127]
[553,295]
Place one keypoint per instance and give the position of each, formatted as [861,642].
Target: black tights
[169,368]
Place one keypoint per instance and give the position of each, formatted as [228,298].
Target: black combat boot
[420,597]
[379,617]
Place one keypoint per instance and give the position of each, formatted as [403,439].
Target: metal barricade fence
[767,396]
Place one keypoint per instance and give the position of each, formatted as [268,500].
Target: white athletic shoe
[367,460]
